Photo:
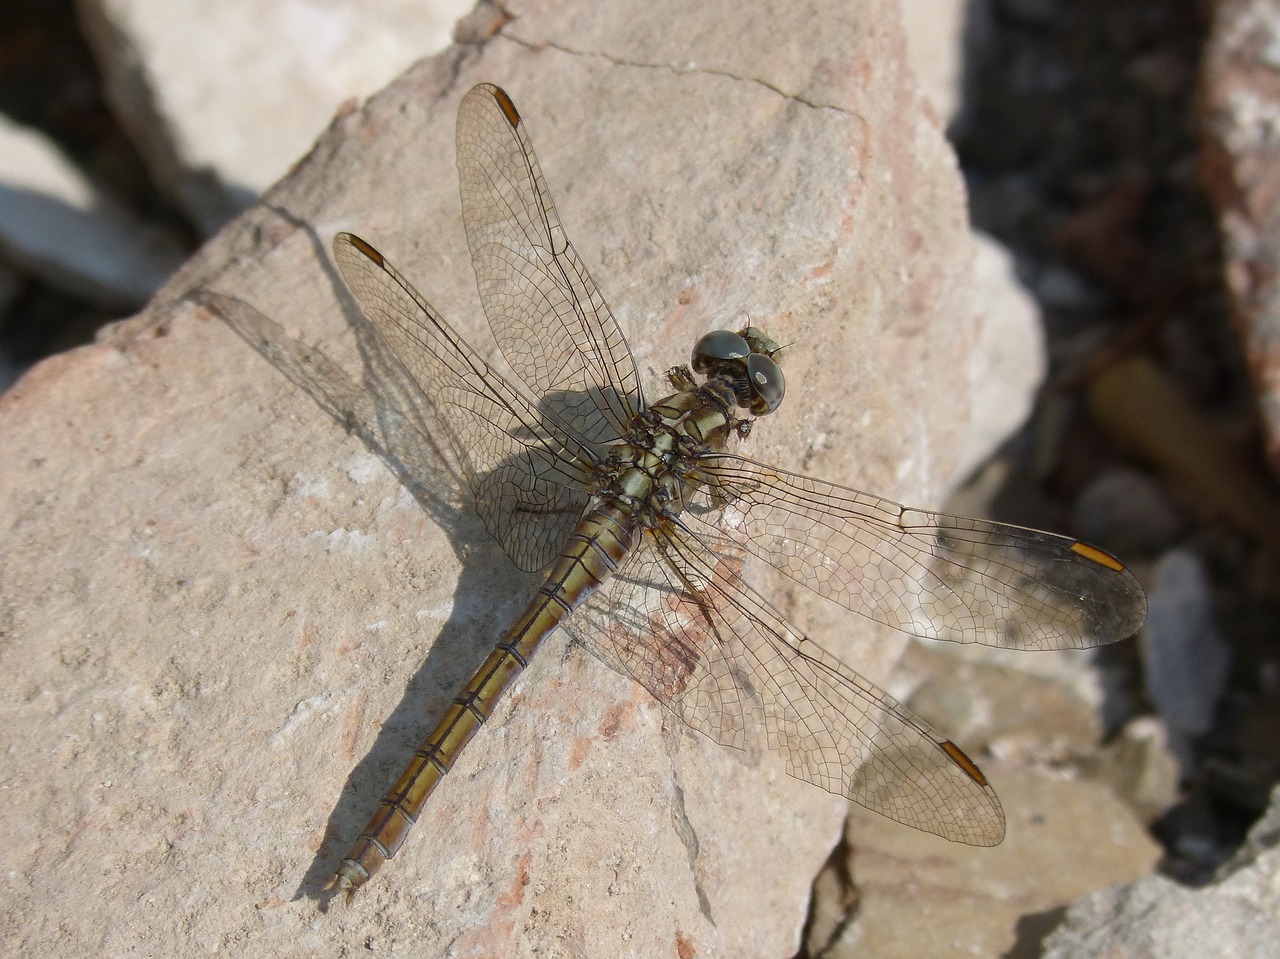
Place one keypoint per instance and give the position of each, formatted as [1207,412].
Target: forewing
[529,478]
[928,574]
[547,315]
[681,621]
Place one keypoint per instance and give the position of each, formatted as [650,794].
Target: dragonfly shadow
[387,412]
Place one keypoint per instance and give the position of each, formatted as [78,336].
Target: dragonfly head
[749,361]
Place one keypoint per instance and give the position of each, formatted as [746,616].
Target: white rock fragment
[222,98]
[1009,364]
[57,225]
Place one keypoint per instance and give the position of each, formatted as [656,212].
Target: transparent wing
[528,477]
[928,574]
[681,621]
[547,315]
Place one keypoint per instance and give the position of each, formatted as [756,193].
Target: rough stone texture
[1241,171]
[1238,915]
[212,592]
[57,225]
[222,97]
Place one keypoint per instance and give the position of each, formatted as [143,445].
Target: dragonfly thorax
[653,470]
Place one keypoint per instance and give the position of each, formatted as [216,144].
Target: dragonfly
[656,537]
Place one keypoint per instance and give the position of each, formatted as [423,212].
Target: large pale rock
[1241,171]
[213,593]
[1237,915]
[221,98]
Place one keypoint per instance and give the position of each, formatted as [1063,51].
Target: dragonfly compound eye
[766,382]
[711,352]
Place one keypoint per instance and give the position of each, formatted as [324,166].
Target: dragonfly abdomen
[591,554]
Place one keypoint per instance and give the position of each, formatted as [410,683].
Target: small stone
[1185,657]
[1060,287]
[1141,767]
[1129,511]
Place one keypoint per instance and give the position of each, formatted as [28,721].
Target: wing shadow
[395,422]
